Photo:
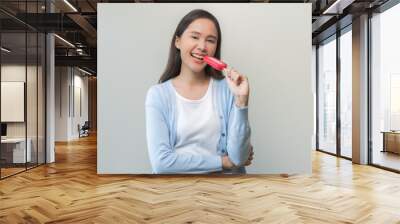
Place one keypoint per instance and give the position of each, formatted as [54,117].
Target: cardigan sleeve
[163,158]
[238,136]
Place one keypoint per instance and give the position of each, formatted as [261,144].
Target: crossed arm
[164,159]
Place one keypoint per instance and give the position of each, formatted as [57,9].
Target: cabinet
[13,150]
[391,142]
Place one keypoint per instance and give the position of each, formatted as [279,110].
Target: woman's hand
[239,85]
[227,163]
[248,162]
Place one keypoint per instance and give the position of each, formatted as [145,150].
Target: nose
[202,46]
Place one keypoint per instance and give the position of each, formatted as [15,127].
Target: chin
[196,68]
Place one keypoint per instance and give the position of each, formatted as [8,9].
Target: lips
[197,56]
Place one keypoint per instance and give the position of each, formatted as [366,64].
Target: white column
[50,110]
[50,92]
[360,90]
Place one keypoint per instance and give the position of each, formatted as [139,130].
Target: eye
[195,37]
[212,41]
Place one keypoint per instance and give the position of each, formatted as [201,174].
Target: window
[327,96]
[385,88]
[346,93]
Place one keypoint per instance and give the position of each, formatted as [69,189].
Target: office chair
[84,130]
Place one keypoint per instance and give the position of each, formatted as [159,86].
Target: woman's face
[199,39]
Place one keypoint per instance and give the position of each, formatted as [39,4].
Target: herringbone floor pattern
[70,191]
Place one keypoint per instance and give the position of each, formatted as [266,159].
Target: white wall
[314,90]
[133,44]
[17,72]
[68,81]
[33,127]
[80,84]
[61,103]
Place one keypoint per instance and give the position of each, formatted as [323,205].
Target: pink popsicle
[215,63]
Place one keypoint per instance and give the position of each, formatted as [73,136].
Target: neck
[192,78]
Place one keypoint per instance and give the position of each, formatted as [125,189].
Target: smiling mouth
[198,56]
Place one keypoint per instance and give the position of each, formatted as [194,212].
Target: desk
[391,141]
[15,148]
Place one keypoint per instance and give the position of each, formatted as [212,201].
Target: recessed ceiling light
[84,71]
[70,5]
[5,50]
[64,40]
[337,7]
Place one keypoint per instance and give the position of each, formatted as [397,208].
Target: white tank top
[198,126]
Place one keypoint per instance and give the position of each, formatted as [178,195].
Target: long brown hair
[174,59]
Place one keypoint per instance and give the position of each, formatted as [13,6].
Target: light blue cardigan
[161,116]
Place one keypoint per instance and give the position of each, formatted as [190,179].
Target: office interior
[48,91]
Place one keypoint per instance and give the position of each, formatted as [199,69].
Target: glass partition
[13,109]
[327,96]
[22,77]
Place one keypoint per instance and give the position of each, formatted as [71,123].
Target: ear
[177,42]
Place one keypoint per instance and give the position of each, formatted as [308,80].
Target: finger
[235,76]
[243,79]
[227,72]
[229,81]
[251,154]
[229,78]
[230,73]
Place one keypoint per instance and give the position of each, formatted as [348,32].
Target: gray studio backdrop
[270,43]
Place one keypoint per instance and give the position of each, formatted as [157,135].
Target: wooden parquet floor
[70,191]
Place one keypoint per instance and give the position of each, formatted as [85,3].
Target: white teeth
[200,57]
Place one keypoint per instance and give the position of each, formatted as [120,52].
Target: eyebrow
[212,36]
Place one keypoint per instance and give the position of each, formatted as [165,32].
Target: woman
[196,119]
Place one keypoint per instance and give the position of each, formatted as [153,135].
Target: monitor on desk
[3,130]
